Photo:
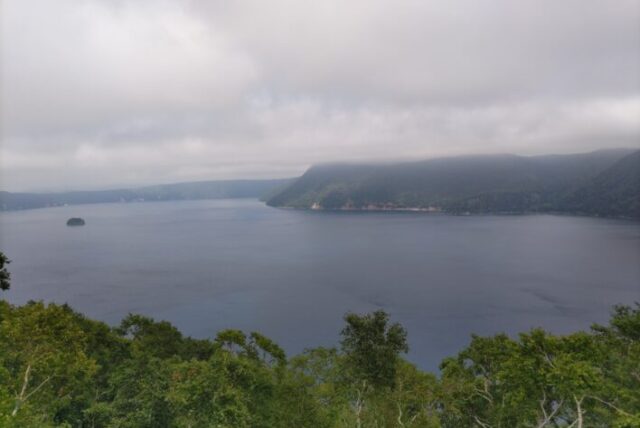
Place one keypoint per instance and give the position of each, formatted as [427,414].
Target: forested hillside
[616,191]
[476,184]
[164,192]
[59,368]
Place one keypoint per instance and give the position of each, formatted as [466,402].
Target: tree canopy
[59,368]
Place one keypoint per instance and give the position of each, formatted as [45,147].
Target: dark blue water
[209,265]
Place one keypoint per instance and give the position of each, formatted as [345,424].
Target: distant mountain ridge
[604,183]
[165,192]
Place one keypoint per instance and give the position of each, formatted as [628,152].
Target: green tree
[137,394]
[161,339]
[5,276]
[620,362]
[201,393]
[43,363]
[372,347]
[322,371]
[544,380]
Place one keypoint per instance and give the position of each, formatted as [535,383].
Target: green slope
[614,192]
[477,184]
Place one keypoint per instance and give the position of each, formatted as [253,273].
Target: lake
[210,265]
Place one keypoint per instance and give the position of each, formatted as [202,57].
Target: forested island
[602,183]
[75,221]
[59,368]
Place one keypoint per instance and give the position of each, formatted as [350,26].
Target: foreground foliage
[58,368]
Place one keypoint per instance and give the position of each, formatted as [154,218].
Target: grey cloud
[107,93]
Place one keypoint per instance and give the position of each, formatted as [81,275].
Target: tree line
[59,368]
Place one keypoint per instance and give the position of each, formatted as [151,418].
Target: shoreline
[454,213]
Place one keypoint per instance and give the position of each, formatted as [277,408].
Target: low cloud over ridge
[104,93]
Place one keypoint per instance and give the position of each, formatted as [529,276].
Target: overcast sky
[99,94]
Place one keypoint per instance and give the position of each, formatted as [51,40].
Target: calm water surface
[209,265]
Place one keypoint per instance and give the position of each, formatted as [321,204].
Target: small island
[75,221]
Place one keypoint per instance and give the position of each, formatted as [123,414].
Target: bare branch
[548,417]
[37,388]
[611,405]
[400,423]
[482,424]
[20,398]
[578,411]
